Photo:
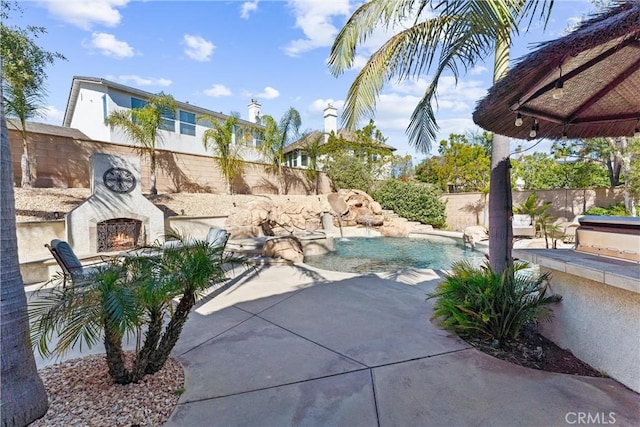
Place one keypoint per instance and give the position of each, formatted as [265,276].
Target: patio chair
[72,268]
[216,237]
[523,226]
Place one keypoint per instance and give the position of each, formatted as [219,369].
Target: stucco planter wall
[599,316]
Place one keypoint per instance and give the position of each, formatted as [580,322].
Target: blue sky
[220,54]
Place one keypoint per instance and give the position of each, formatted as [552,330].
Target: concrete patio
[292,345]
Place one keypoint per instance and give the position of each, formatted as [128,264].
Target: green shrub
[413,201]
[476,301]
[612,210]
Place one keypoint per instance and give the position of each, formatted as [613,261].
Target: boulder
[337,203]
[474,234]
[375,208]
[288,248]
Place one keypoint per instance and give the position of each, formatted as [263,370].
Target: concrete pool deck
[294,345]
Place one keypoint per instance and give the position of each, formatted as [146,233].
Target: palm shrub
[124,297]
[477,301]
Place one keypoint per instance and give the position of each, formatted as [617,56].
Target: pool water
[376,254]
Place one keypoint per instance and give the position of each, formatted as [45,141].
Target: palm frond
[447,35]
[364,21]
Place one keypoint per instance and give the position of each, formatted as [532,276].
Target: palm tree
[23,77]
[120,299]
[311,149]
[24,103]
[141,125]
[275,139]
[450,35]
[23,398]
[220,140]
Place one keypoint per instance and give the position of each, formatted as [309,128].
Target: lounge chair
[72,268]
[523,226]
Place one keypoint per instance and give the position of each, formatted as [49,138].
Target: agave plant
[125,296]
[476,300]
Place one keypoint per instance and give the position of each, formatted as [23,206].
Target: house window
[187,123]
[294,157]
[168,120]
[304,160]
[104,107]
[137,103]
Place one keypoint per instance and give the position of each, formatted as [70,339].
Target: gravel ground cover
[81,393]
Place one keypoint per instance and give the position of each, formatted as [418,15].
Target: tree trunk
[500,202]
[500,207]
[25,164]
[150,344]
[152,172]
[115,356]
[23,398]
[172,333]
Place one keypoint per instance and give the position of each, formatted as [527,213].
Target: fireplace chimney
[254,111]
[330,121]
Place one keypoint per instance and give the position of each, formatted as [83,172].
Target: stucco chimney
[255,111]
[330,121]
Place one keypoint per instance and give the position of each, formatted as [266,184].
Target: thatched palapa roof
[598,68]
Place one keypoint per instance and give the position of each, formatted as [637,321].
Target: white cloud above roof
[141,81]
[318,105]
[248,7]
[218,90]
[50,114]
[109,45]
[268,93]
[315,19]
[198,48]
[86,13]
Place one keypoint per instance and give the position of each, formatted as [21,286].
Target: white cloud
[143,81]
[248,7]
[51,114]
[314,18]
[318,106]
[268,93]
[218,90]
[108,45]
[478,69]
[459,125]
[198,48]
[86,13]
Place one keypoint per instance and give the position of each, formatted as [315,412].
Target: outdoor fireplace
[117,216]
[118,234]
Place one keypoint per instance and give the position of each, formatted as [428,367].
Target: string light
[558,90]
[518,119]
[534,129]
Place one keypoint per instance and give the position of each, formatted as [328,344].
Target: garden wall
[63,161]
[466,209]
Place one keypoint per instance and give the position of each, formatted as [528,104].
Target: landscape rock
[287,247]
[474,234]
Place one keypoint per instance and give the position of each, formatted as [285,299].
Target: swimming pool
[376,254]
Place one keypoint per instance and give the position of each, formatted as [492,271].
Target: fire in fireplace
[118,234]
